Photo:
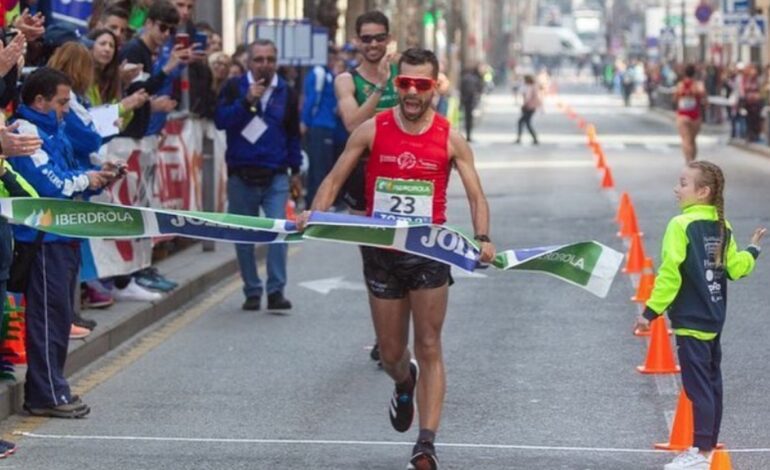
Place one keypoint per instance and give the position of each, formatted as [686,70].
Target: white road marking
[459,273]
[324,286]
[527,164]
[606,140]
[329,442]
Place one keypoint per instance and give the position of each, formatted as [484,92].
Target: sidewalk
[194,270]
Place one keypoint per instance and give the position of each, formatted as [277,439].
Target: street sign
[667,35]
[753,31]
[298,41]
[735,6]
[703,12]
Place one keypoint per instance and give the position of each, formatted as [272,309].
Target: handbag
[23,256]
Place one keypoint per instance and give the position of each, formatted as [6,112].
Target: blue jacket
[81,132]
[319,108]
[279,145]
[158,120]
[53,170]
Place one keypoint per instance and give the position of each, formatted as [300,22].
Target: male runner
[411,147]
[363,92]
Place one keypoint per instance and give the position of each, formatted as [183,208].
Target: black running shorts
[391,274]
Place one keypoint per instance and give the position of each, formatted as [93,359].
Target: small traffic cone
[646,282]
[628,225]
[625,202]
[720,460]
[601,162]
[607,181]
[660,357]
[290,210]
[16,338]
[635,256]
[682,429]
[591,134]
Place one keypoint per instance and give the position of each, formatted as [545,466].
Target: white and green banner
[589,265]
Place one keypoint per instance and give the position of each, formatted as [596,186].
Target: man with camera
[260,116]
[162,21]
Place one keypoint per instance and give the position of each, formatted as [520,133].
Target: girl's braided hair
[711,176]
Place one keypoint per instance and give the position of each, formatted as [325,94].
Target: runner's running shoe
[402,404]
[375,352]
[423,457]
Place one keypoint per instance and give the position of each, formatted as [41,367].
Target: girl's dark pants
[526,120]
[702,380]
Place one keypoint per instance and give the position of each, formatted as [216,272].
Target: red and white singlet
[407,175]
[689,101]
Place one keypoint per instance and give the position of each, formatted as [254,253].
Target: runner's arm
[353,115]
[462,154]
[357,144]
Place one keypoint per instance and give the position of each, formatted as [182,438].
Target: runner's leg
[695,130]
[684,134]
[391,324]
[429,310]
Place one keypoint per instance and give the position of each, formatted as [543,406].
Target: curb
[133,317]
[757,149]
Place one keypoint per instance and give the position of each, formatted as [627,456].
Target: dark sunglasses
[167,27]
[369,38]
[419,83]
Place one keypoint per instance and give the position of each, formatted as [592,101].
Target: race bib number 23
[410,200]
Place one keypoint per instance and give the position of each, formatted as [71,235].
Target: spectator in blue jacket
[260,116]
[53,172]
[319,121]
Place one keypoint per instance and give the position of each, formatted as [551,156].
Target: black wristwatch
[482,238]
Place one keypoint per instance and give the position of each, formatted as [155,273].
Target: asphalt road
[540,374]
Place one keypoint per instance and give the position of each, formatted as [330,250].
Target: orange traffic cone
[628,225]
[660,356]
[682,429]
[625,201]
[290,213]
[601,162]
[591,134]
[16,334]
[720,460]
[581,123]
[646,282]
[607,181]
[635,256]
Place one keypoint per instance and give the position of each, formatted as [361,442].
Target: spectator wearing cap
[161,24]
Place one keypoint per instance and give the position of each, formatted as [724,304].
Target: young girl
[531,97]
[699,255]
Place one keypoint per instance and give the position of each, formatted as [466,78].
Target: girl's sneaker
[690,459]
